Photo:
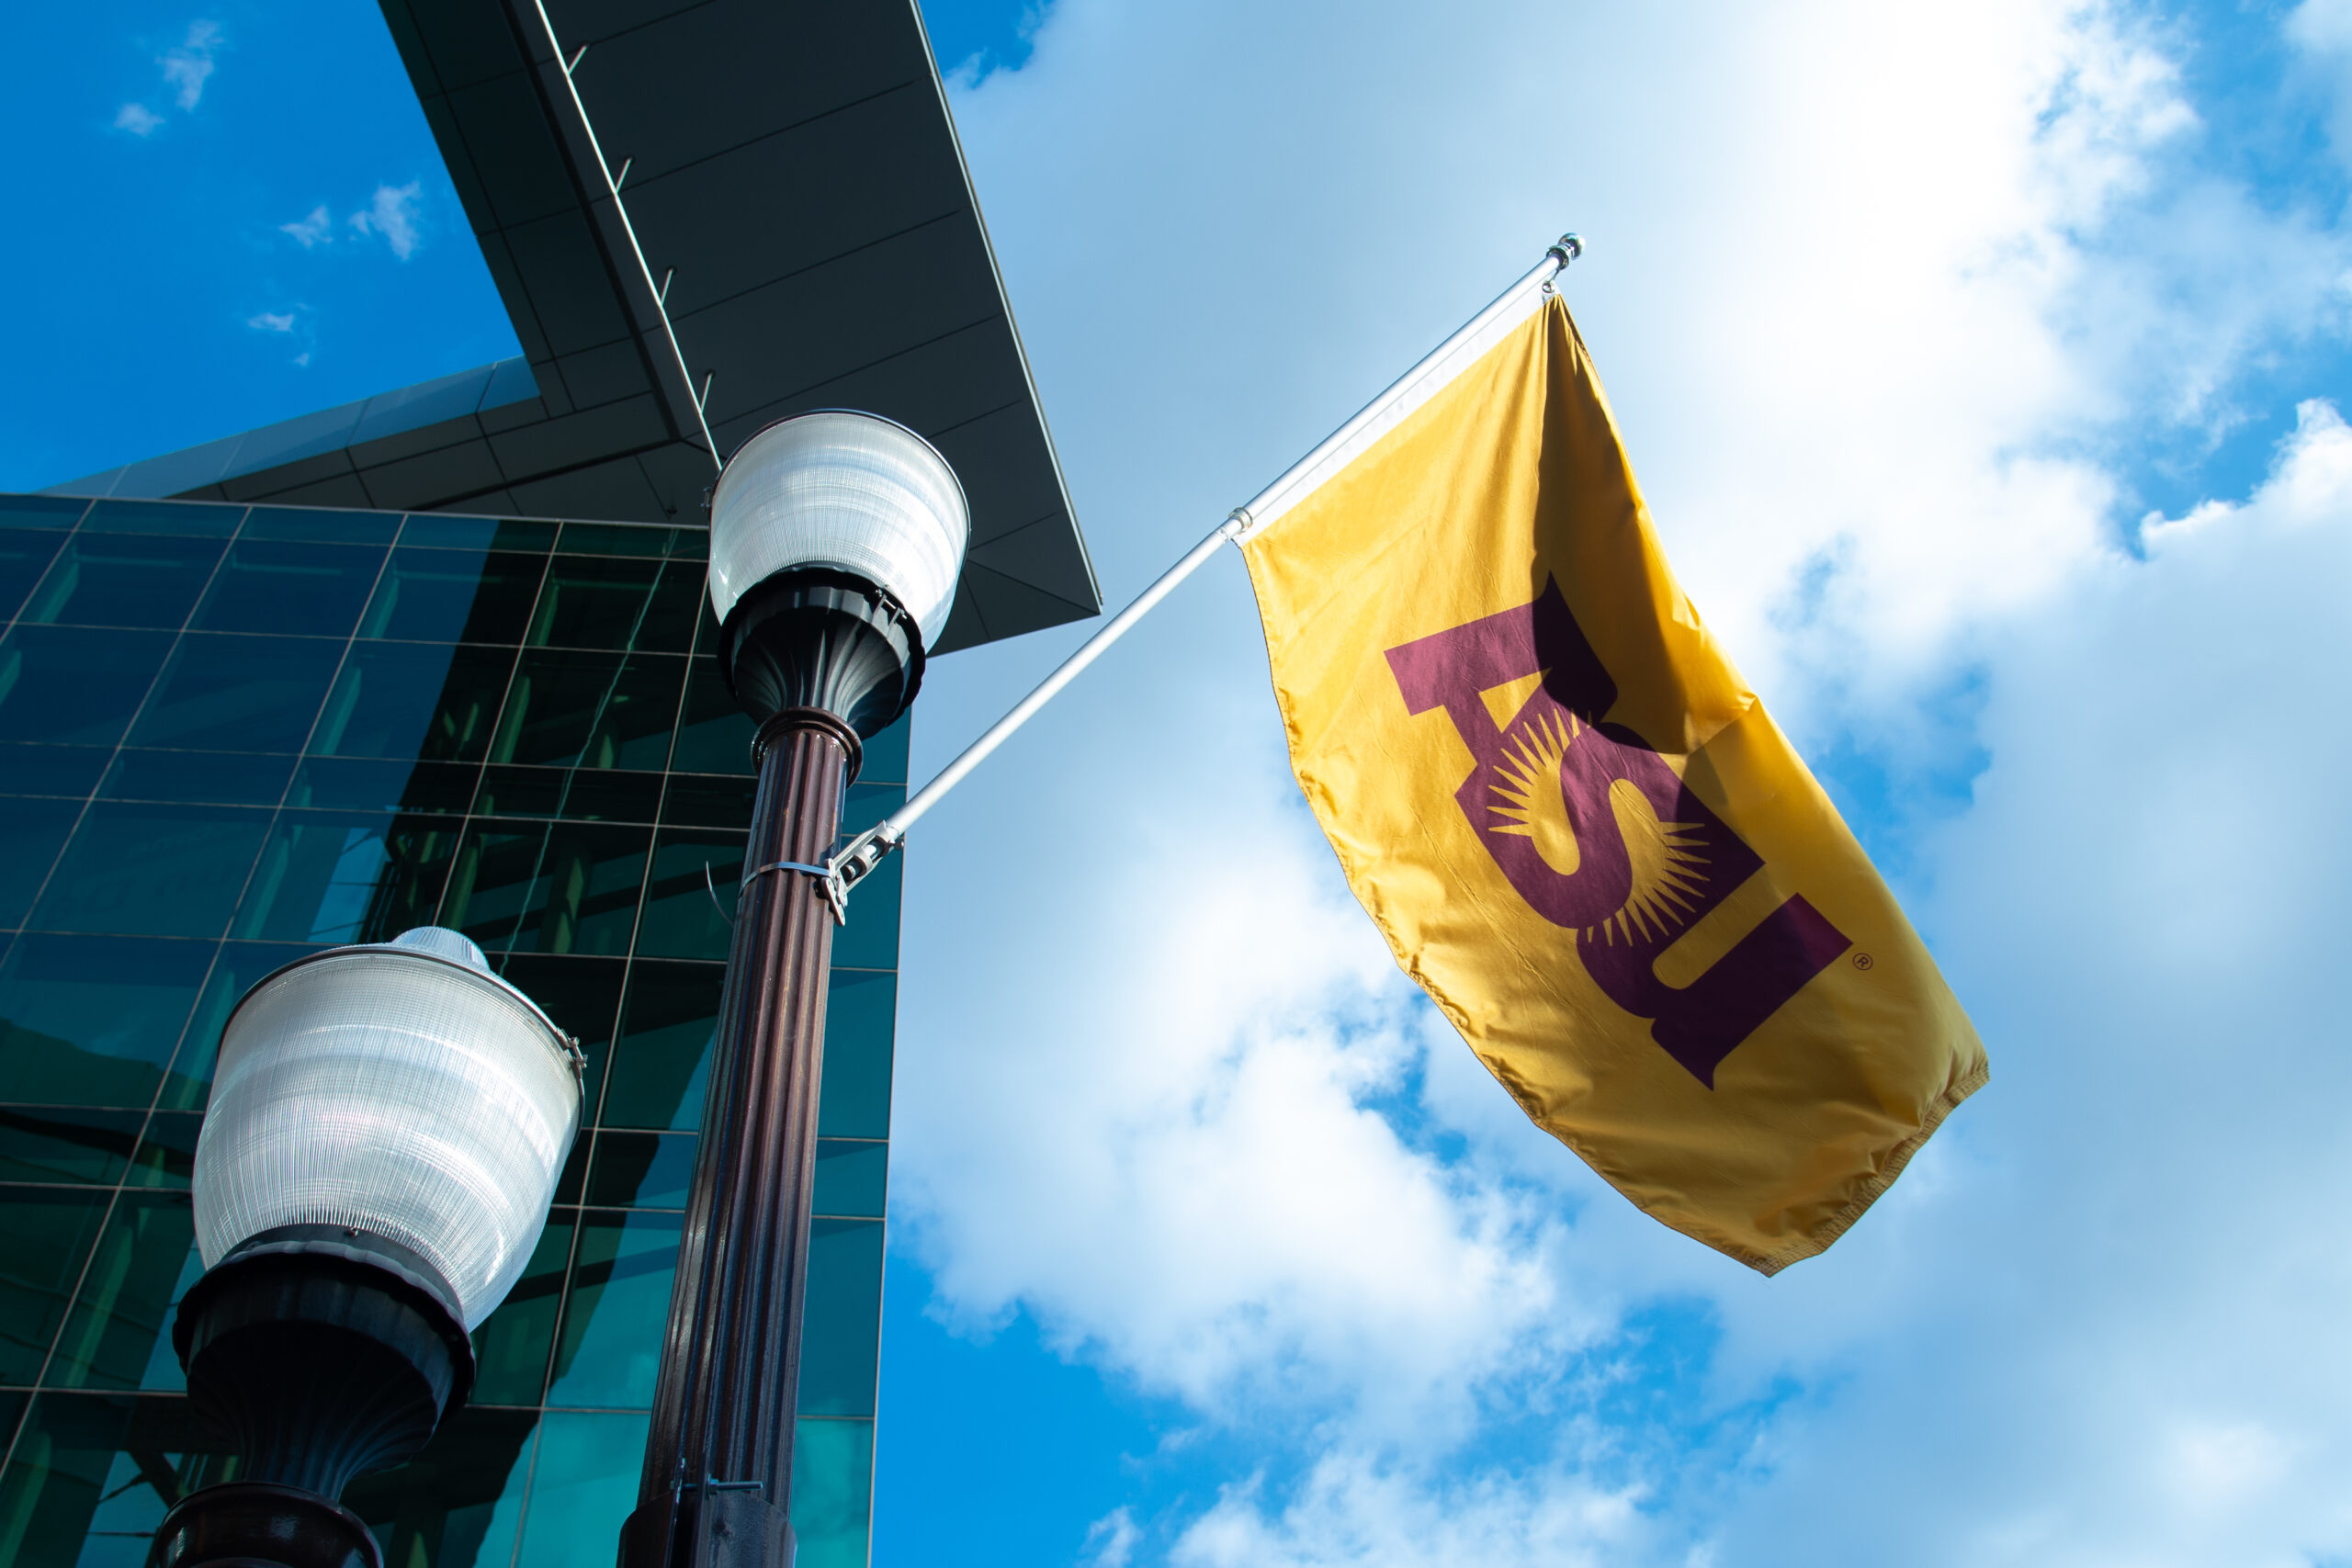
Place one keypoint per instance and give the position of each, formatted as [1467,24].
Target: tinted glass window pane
[334,876]
[614,1313]
[884,759]
[368,784]
[583,995]
[321,524]
[608,602]
[855,1099]
[616,539]
[412,700]
[234,969]
[42,511]
[148,870]
[124,1311]
[238,693]
[114,580]
[690,894]
[458,1504]
[27,768]
[714,735]
[583,1485]
[866,804]
[212,778]
[853,1179]
[870,939]
[25,554]
[88,1482]
[582,794]
[842,1341]
[93,1021]
[454,596]
[565,888]
[31,831]
[703,800]
[50,1232]
[194,519]
[832,1492]
[166,1156]
[302,589]
[642,1170]
[62,683]
[511,1346]
[66,1143]
[589,710]
[661,1064]
[477,533]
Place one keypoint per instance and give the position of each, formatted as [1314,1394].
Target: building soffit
[702,215]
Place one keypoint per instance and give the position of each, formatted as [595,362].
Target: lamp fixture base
[816,638]
[253,1524]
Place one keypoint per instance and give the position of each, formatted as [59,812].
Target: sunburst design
[1664,855]
[1537,810]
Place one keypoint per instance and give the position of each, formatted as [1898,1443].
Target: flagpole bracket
[856,861]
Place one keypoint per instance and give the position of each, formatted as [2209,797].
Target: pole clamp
[835,893]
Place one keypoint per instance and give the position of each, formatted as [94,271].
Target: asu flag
[1580,830]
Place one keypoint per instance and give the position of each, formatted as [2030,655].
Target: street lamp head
[400,1089]
[385,1131]
[836,542]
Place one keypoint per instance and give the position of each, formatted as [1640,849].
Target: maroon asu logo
[1601,836]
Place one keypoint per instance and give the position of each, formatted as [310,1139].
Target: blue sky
[1981,366]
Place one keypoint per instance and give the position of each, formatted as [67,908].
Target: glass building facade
[230,736]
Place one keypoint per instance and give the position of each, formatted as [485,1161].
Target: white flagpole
[1408,392]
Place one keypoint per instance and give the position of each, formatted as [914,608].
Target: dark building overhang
[702,215]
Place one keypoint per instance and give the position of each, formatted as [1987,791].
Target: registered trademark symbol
[1863,961]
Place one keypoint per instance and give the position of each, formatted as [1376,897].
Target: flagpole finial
[1566,248]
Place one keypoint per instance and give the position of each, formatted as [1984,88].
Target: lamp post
[836,540]
[386,1125]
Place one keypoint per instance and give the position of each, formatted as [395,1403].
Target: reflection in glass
[70,685]
[100,580]
[407,701]
[238,693]
[124,1309]
[852,1178]
[50,1232]
[210,778]
[511,1346]
[690,894]
[152,869]
[662,1060]
[714,735]
[582,1487]
[854,1101]
[642,1170]
[591,601]
[841,1343]
[66,1143]
[619,1298]
[300,590]
[458,1504]
[343,876]
[832,1491]
[31,833]
[555,887]
[589,710]
[454,596]
[93,1020]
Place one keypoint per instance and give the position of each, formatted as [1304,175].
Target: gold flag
[1580,830]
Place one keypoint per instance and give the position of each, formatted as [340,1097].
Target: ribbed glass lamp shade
[400,1088]
[849,490]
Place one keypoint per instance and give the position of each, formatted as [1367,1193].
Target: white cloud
[1876,291]
[1110,1541]
[317,229]
[271,321]
[137,118]
[190,66]
[393,215]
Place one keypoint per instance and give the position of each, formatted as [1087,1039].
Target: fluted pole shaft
[715,1489]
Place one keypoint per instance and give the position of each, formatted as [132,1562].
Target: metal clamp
[835,893]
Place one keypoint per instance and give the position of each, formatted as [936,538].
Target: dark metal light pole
[836,540]
[383,1135]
